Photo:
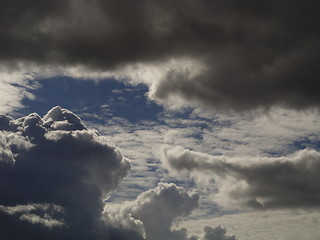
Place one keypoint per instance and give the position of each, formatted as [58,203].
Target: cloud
[251,55]
[30,213]
[153,213]
[157,212]
[54,175]
[254,182]
[15,87]
[279,133]
[292,224]
[216,233]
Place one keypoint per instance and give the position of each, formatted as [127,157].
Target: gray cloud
[255,182]
[216,233]
[254,55]
[54,175]
[37,213]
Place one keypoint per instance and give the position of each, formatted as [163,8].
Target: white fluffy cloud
[55,161]
[255,182]
[154,212]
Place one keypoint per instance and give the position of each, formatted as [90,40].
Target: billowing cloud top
[55,173]
[153,212]
[217,233]
[243,55]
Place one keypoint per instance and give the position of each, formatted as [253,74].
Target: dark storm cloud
[256,54]
[261,183]
[54,175]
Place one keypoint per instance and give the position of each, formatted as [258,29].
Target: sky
[159,120]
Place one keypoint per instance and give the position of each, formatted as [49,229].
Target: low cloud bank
[255,182]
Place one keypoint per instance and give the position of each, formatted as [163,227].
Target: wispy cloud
[14,88]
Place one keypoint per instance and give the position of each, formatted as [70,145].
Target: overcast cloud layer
[255,182]
[239,55]
[224,55]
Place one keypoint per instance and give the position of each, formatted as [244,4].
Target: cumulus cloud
[216,233]
[252,55]
[55,173]
[255,182]
[153,213]
[156,213]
